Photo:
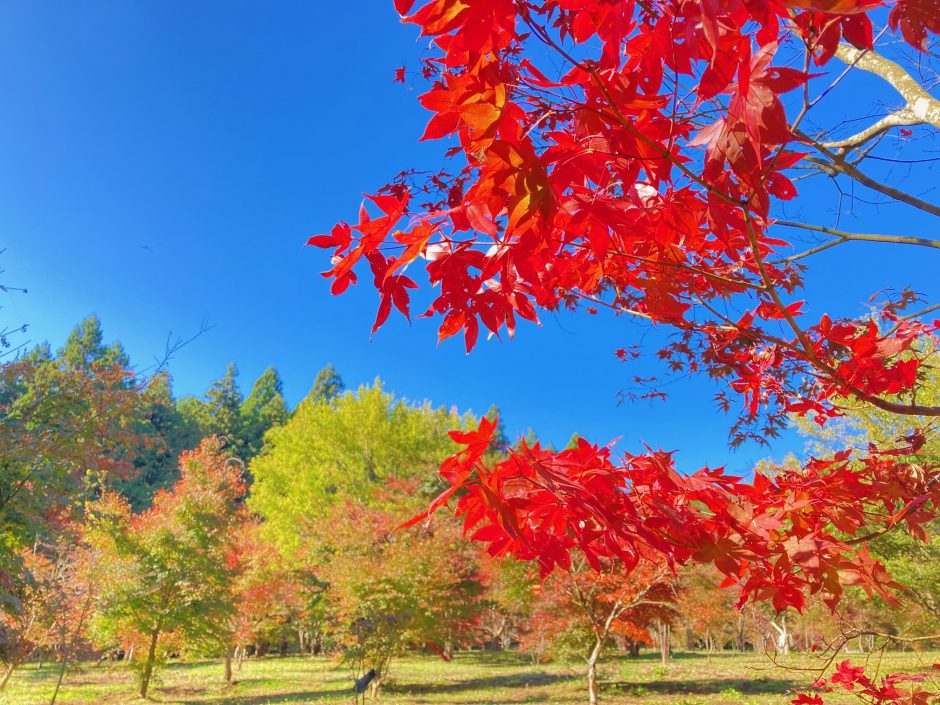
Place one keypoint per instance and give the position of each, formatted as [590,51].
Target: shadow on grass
[493,658]
[271,699]
[755,686]
[515,680]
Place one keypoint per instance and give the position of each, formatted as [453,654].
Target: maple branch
[805,343]
[837,164]
[613,307]
[898,118]
[812,251]
[920,108]
[918,314]
[911,409]
[861,237]
[891,637]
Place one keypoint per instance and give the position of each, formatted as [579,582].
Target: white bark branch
[920,107]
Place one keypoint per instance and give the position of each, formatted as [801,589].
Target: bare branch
[863,237]
[835,164]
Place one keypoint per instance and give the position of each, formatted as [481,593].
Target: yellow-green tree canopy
[343,449]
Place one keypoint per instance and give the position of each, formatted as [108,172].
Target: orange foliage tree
[167,572]
[588,608]
[389,590]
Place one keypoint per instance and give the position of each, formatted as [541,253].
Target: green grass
[487,678]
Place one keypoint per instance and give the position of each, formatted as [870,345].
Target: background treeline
[138,526]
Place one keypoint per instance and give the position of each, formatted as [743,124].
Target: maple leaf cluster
[640,177]
[778,538]
[894,688]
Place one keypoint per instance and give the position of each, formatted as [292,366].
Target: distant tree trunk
[239,657]
[228,666]
[129,654]
[634,647]
[783,635]
[147,673]
[740,642]
[664,635]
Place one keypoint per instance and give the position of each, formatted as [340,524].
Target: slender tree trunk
[375,686]
[147,673]
[228,666]
[67,646]
[592,671]
[664,642]
[783,635]
[6,675]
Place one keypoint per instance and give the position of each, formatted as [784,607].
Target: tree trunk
[147,673]
[228,666]
[375,686]
[783,636]
[664,633]
[6,676]
[592,671]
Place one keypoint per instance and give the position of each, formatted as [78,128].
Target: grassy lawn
[471,679]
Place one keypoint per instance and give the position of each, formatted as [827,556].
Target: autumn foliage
[608,185]
[642,176]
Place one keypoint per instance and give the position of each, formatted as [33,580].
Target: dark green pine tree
[328,385]
[195,420]
[224,407]
[263,409]
[162,436]
[85,347]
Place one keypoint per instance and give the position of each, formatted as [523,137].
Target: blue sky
[162,163]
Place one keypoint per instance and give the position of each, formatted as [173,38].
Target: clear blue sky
[162,163]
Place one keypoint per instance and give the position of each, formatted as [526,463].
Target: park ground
[477,678]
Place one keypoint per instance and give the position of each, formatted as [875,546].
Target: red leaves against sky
[640,177]
[915,19]
[777,538]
